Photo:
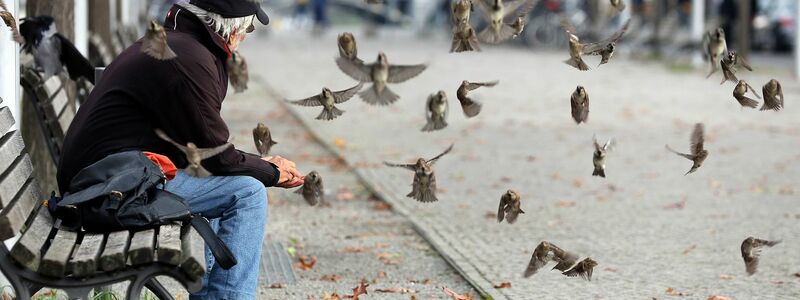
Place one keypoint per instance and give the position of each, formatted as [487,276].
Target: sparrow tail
[747,102]
[770,103]
[577,63]
[471,109]
[382,98]
[330,114]
[435,124]
[599,172]
[157,50]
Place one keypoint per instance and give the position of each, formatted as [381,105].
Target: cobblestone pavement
[355,237]
[525,139]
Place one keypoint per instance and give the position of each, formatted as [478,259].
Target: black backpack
[125,191]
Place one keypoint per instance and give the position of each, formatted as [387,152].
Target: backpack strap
[222,254]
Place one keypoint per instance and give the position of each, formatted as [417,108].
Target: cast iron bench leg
[154,286]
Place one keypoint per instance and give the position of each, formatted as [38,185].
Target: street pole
[81,19]
[743,41]
[9,68]
[697,30]
[796,39]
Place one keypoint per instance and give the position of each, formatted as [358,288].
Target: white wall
[81,18]
[9,66]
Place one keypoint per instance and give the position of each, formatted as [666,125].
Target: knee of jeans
[252,190]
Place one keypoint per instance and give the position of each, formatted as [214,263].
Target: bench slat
[113,256]
[27,251]
[55,260]
[65,118]
[193,261]
[13,216]
[59,101]
[11,145]
[14,177]
[84,261]
[141,250]
[53,85]
[169,244]
[6,119]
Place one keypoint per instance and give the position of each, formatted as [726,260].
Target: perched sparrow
[380,74]
[773,96]
[751,250]
[544,253]
[347,47]
[618,4]
[471,107]
[461,12]
[582,269]
[599,157]
[52,51]
[496,11]
[464,39]
[739,93]
[195,155]
[328,99]
[715,48]
[509,207]
[580,105]
[698,154]
[238,75]
[312,189]
[436,110]
[155,42]
[11,22]
[575,46]
[606,47]
[424,186]
[263,139]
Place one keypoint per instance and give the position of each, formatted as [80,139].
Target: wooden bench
[77,262]
[99,52]
[53,110]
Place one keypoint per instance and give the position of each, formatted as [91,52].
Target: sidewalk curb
[453,257]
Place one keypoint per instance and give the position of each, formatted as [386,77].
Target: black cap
[234,8]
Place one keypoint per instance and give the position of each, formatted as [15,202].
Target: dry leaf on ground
[333,296]
[718,297]
[565,203]
[395,290]
[689,249]
[456,296]
[361,289]
[354,249]
[673,292]
[725,276]
[277,285]
[677,205]
[502,285]
[339,142]
[344,195]
[306,262]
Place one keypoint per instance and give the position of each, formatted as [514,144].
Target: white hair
[223,26]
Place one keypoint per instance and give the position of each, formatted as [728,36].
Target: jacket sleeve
[202,97]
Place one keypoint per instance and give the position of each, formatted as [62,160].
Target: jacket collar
[181,20]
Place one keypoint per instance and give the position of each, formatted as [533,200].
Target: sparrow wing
[433,160]
[399,74]
[568,26]
[697,139]
[77,65]
[209,152]
[751,89]
[356,70]
[160,133]
[597,146]
[315,100]
[475,85]
[521,7]
[780,93]
[761,243]
[344,95]
[744,63]
[595,47]
[257,140]
[485,9]
[533,266]
[690,157]
[411,167]
[502,209]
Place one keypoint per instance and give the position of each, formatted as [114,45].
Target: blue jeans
[237,207]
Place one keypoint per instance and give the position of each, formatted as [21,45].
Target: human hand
[289,176]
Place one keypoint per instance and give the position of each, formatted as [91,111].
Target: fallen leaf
[381,274]
[388,258]
[344,195]
[609,269]
[354,249]
[339,142]
[503,285]
[424,281]
[456,296]
[361,289]
[291,250]
[381,245]
[531,158]
[689,249]
[577,183]
[673,292]
[490,215]
[797,274]
[382,206]
[725,276]
[333,296]
[677,205]
[565,203]
[413,297]
[717,297]
[306,262]
[395,290]
[276,285]
[332,277]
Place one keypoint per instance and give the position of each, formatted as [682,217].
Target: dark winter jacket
[182,96]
